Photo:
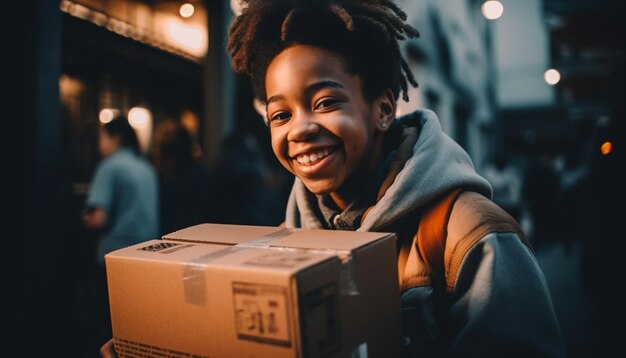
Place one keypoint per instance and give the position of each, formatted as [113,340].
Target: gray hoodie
[501,304]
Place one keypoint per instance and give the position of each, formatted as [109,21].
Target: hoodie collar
[352,216]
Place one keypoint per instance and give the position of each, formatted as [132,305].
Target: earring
[383,125]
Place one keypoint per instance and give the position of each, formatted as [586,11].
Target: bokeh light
[552,76]
[492,9]
[139,117]
[107,114]
[186,10]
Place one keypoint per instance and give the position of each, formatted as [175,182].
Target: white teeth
[313,157]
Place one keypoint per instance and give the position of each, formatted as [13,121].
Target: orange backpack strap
[422,258]
[448,229]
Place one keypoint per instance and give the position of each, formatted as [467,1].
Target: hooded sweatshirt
[500,306]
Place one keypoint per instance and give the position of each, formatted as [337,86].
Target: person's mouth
[315,160]
[313,157]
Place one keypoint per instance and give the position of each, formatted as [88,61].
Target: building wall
[453,66]
[522,55]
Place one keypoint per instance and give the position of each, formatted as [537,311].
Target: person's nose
[303,127]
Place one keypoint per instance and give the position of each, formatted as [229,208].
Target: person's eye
[280,117]
[325,103]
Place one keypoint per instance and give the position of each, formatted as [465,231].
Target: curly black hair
[364,32]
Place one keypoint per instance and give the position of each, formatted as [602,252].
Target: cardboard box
[253,291]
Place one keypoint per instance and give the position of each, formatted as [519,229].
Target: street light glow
[552,76]
[492,9]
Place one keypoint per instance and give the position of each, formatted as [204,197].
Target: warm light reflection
[492,9]
[260,108]
[107,114]
[606,148]
[188,36]
[139,117]
[152,27]
[141,120]
[70,88]
[186,10]
[235,6]
[191,122]
[552,76]
[79,11]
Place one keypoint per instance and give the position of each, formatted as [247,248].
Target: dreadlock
[365,32]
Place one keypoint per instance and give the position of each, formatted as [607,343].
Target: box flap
[328,239]
[223,234]
[269,236]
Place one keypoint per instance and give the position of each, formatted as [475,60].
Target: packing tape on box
[347,278]
[265,241]
[194,281]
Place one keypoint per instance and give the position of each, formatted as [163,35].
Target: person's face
[322,129]
[107,144]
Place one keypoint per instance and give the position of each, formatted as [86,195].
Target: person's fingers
[108,350]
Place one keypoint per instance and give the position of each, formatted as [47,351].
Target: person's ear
[386,110]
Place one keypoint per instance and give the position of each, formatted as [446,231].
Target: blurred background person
[122,203]
[184,182]
[506,183]
[248,191]
[541,189]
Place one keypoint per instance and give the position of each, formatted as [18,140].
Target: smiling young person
[330,73]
